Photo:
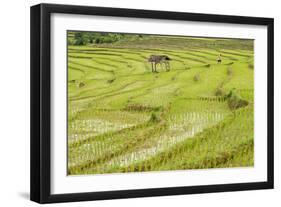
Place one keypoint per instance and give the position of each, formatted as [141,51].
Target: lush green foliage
[85,38]
[124,118]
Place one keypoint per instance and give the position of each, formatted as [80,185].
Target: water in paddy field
[93,127]
[121,115]
[99,123]
[180,127]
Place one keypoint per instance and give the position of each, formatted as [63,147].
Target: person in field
[219,59]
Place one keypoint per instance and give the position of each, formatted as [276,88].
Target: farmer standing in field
[219,59]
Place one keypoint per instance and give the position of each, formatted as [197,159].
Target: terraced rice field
[124,118]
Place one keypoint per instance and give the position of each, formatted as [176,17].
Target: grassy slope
[112,96]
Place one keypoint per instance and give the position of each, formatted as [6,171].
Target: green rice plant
[219,92]
[196,77]
[123,118]
[229,71]
[235,101]
[251,66]
[154,117]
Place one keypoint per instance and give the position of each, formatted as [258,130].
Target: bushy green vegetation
[235,101]
[85,38]
[124,118]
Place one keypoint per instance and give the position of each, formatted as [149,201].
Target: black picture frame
[41,99]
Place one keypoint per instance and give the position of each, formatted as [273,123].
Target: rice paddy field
[123,118]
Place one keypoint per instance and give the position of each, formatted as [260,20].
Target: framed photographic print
[133,103]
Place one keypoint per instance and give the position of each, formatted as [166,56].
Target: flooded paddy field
[124,117]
